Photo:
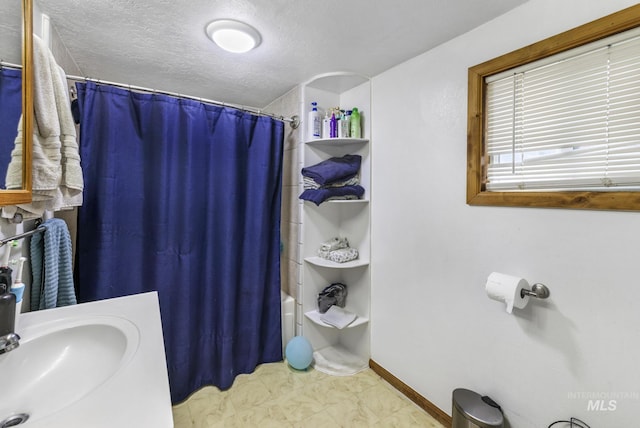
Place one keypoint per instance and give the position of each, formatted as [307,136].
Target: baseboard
[411,394]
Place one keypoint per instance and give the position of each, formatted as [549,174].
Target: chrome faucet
[9,340]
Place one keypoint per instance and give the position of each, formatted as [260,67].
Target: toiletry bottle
[343,130]
[7,310]
[18,288]
[333,126]
[7,255]
[356,130]
[326,126]
[314,122]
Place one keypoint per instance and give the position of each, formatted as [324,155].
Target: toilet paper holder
[538,290]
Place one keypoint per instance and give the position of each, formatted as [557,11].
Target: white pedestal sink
[98,364]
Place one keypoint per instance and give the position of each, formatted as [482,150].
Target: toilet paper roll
[506,288]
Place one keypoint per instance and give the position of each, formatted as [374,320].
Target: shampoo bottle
[314,122]
[344,125]
[356,130]
[333,126]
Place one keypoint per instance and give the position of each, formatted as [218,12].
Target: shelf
[336,141]
[336,82]
[319,261]
[315,317]
[338,202]
[338,361]
[337,351]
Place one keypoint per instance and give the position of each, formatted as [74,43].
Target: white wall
[432,323]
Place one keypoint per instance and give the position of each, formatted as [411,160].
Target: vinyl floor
[277,396]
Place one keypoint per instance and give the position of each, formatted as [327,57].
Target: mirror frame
[22,196]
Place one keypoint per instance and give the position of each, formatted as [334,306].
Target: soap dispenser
[9,340]
[7,309]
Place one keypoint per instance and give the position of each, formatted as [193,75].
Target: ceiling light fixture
[233,36]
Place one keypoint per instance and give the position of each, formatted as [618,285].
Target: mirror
[16,49]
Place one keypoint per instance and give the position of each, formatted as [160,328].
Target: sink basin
[58,363]
[98,364]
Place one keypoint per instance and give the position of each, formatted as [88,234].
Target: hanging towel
[52,284]
[57,181]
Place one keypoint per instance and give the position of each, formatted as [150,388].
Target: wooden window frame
[618,22]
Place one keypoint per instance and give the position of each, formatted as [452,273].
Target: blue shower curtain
[10,111]
[184,198]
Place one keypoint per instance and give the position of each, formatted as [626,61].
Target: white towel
[56,172]
[338,317]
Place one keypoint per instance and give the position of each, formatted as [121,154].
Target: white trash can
[471,410]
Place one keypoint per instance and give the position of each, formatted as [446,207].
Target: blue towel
[333,169]
[52,284]
[318,196]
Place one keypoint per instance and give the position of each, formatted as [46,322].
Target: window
[557,124]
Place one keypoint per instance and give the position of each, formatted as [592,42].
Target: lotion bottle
[314,122]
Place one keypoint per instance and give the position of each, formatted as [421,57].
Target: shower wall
[286,106]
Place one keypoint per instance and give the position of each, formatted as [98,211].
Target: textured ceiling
[162,44]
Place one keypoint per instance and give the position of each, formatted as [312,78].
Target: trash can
[471,410]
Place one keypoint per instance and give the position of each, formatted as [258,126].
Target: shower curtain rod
[294,121]
[10,65]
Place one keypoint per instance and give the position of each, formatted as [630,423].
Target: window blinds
[567,123]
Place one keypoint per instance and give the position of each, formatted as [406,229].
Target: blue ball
[299,353]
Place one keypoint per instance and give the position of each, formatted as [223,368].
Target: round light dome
[233,36]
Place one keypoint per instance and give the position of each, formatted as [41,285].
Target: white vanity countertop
[137,395]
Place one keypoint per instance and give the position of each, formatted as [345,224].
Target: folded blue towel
[318,196]
[333,169]
[51,271]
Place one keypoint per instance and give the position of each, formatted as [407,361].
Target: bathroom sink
[99,364]
[61,362]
